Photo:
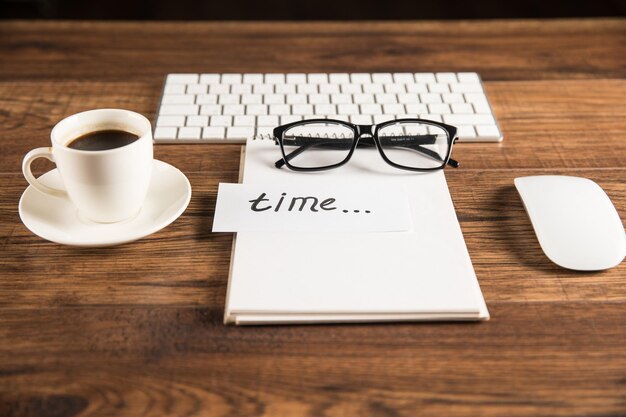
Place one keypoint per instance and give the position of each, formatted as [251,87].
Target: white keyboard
[228,108]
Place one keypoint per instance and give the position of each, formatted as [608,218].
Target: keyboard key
[319,99]
[213,133]
[416,88]
[382,78]
[219,88]
[274,99]
[466,132]
[438,88]
[462,108]
[233,109]
[245,121]
[446,77]
[253,78]
[285,88]
[466,88]
[297,99]
[306,88]
[239,132]
[393,109]
[165,133]
[438,109]
[274,78]
[252,99]
[341,99]
[475,98]
[229,99]
[371,109]
[279,109]
[211,109]
[318,78]
[267,121]
[395,88]
[178,99]
[469,119]
[189,133]
[364,98]
[386,98]
[325,109]
[171,121]
[361,119]
[451,98]
[210,78]
[339,78]
[361,78]
[207,99]
[347,109]
[430,98]
[482,107]
[197,121]
[221,121]
[329,89]
[403,77]
[263,88]
[425,77]
[468,77]
[433,117]
[182,78]
[231,78]
[408,98]
[196,89]
[381,118]
[487,131]
[241,88]
[289,119]
[178,109]
[351,88]
[416,109]
[373,88]
[299,79]
[256,109]
[302,109]
[175,89]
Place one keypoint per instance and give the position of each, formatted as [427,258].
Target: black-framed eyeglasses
[321,144]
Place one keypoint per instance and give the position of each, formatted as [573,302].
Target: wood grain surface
[136,330]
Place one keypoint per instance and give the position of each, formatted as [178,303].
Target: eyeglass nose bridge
[365,130]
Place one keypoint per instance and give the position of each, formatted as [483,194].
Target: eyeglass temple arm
[281,162]
[364,142]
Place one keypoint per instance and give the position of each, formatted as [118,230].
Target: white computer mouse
[576,224]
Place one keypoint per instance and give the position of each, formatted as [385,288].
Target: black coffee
[102,140]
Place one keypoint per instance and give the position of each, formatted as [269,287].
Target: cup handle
[28,174]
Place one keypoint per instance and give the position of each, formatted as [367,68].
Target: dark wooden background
[137,329]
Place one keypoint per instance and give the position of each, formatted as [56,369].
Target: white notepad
[314,277]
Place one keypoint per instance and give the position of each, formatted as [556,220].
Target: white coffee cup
[107,185]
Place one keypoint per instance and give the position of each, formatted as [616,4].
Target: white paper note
[326,207]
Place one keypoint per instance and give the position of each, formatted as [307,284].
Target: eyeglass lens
[415,145]
[316,145]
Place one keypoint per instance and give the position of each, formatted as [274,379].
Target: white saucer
[57,219]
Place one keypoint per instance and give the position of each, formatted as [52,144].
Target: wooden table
[137,329]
